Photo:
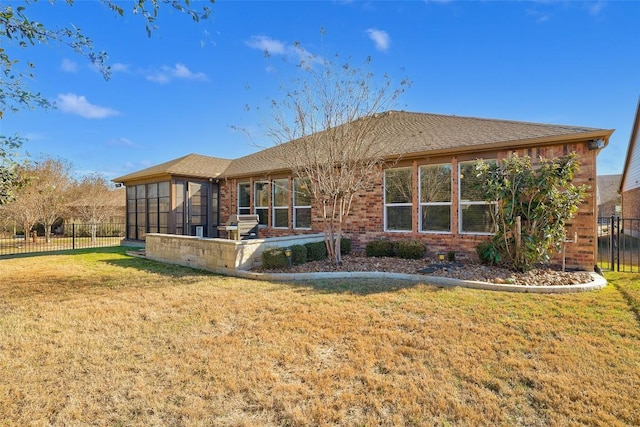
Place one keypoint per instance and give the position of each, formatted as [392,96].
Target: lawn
[99,338]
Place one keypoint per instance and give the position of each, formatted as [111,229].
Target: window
[164,206]
[398,199]
[244,198]
[148,209]
[280,203]
[261,201]
[152,208]
[475,213]
[435,198]
[141,211]
[131,212]
[301,203]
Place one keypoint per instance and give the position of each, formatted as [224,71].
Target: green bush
[345,246]
[410,249]
[298,254]
[379,248]
[535,203]
[488,253]
[316,251]
[451,256]
[274,258]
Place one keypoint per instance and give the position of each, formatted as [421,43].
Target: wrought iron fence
[70,236]
[619,244]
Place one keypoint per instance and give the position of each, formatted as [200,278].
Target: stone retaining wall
[217,255]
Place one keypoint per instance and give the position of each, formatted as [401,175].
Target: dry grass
[98,338]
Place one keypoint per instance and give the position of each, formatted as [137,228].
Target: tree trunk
[47,232]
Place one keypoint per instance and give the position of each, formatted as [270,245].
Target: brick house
[630,183]
[428,151]
[609,199]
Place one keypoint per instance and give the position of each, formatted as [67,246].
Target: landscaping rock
[462,271]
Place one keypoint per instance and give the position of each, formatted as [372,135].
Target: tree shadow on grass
[630,299]
[360,286]
[355,286]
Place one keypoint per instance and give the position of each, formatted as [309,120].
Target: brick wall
[366,221]
[631,203]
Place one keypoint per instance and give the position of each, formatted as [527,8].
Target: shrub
[379,248]
[298,254]
[451,256]
[274,258]
[345,246]
[316,251]
[410,249]
[534,204]
[488,253]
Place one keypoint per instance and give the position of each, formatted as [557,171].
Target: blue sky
[185,89]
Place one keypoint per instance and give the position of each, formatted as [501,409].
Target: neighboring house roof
[115,198]
[191,165]
[608,186]
[407,134]
[631,172]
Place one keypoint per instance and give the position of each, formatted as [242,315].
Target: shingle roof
[400,133]
[395,134]
[115,198]
[608,186]
[191,165]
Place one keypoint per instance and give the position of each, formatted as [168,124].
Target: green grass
[98,338]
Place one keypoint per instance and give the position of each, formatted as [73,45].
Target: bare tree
[94,201]
[43,196]
[22,211]
[326,119]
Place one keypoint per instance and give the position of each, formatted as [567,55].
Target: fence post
[73,235]
[611,240]
[618,243]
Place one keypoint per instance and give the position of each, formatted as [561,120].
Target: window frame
[387,205]
[297,207]
[257,207]
[462,204]
[244,210]
[422,205]
[280,184]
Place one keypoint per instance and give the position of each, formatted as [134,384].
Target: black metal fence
[71,236]
[618,244]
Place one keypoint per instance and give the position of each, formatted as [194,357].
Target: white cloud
[78,104]
[122,142]
[538,15]
[119,68]
[68,66]
[276,47]
[158,77]
[179,71]
[380,38]
[596,8]
[268,45]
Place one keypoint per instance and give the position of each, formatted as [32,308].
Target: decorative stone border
[218,255]
[598,282]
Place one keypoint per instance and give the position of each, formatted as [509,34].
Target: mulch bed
[462,270]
